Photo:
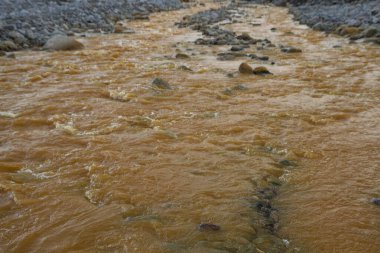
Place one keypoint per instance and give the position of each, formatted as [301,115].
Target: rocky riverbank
[356,19]
[28,24]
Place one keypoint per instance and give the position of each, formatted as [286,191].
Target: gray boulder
[63,43]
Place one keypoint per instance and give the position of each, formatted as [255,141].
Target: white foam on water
[8,115]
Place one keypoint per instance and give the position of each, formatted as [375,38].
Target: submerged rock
[161,84]
[270,243]
[261,71]
[63,43]
[244,68]
[208,227]
[239,87]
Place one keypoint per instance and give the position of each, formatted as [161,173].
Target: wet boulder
[161,84]
[62,43]
[261,71]
[244,68]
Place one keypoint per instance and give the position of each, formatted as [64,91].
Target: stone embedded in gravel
[161,84]
[182,56]
[291,50]
[375,201]
[244,68]
[17,37]
[208,227]
[238,48]
[261,71]
[245,36]
[7,45]
[62,43]
[2,53]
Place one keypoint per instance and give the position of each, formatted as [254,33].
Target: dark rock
[63,43]
[286,163]
[261,71]
[2,53]
[208,227]
[245,36]
[161,84]
[244,68]
[182,56]
[375,201]
[263,58]
[238,48]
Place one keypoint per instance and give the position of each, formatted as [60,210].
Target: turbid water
[95,159]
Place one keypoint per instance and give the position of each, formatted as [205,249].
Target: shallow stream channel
[153,141]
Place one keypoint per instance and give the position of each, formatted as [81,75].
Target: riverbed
[94,158]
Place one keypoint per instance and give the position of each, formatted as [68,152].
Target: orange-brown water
[93,159]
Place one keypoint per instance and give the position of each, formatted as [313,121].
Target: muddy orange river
[93,159]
